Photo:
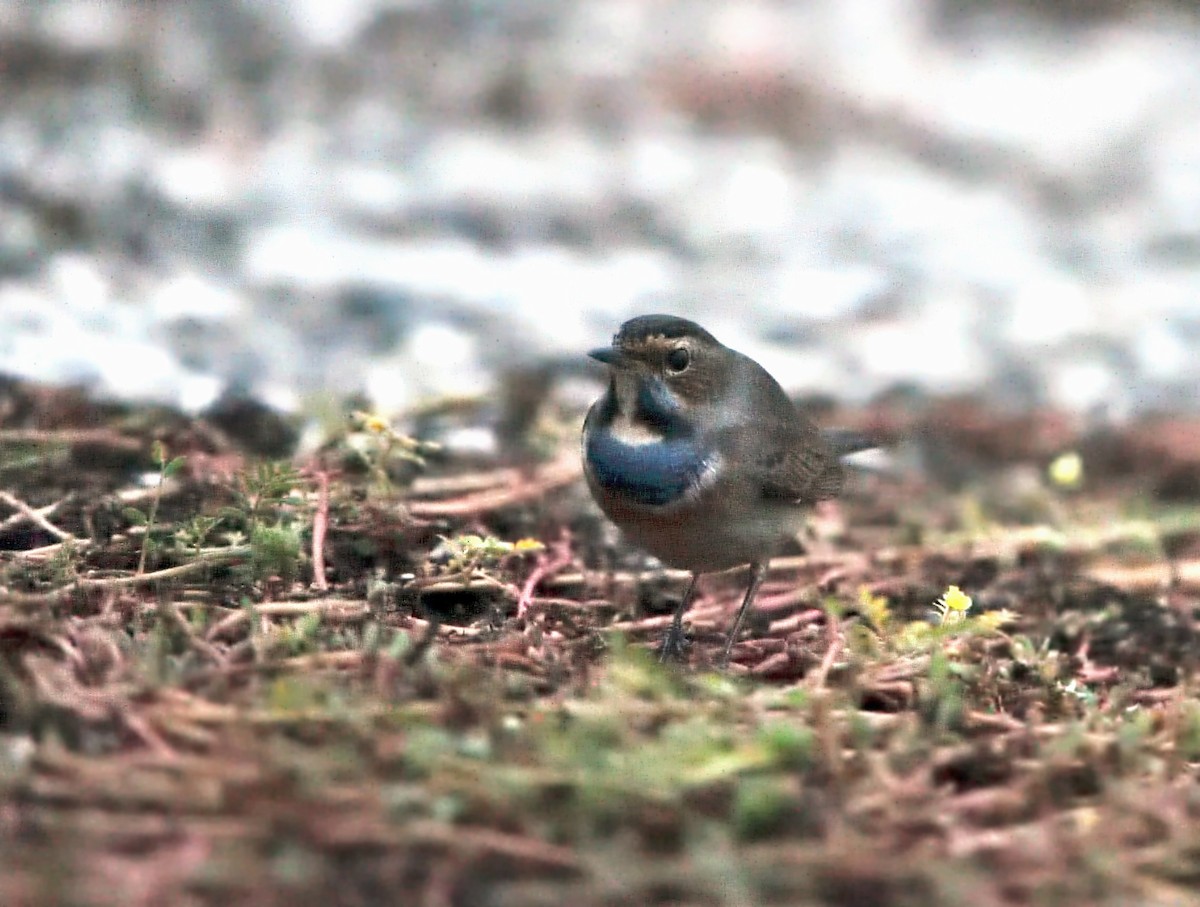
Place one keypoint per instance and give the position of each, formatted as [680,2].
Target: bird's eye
[678,359]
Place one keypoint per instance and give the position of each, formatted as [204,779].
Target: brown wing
[797,465]
[789,458]
[781,448]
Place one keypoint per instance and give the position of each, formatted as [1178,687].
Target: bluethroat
[700,458]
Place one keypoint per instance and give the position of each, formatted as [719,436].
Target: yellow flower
[953,605]
[375,423]
[875,607]
[523,545]
[1067,470]
[994,620]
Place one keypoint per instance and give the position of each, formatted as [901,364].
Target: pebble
[289,203]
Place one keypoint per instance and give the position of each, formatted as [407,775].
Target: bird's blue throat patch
[653,474]
[658,409]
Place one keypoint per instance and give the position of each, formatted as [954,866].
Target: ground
[385,673]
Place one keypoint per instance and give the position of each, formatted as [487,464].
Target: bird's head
[664,362]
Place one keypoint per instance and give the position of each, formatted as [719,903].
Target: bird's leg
[758,572]
[672,646]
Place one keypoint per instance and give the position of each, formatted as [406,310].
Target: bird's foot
[723,664]
[674,645]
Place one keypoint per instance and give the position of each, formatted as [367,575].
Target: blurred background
[406,198]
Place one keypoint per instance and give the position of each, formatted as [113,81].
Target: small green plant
[166,469]
[1036,659]
[942,697]
[16,457]
[195,533]
[950,617]
[263,495]
[469,554]
[635,672]
[1076,690]
[275,551]
[879,630]
[789,744]
[301,636]
[381,445]
[761,806]
[1187,739]
[63,564]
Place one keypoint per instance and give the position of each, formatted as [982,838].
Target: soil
[385,673]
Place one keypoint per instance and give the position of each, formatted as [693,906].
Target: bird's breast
[649,473]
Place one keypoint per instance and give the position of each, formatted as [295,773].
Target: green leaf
[276,550]
[789,743]
[174,466]
[309,625]
[135,516]
[761,806]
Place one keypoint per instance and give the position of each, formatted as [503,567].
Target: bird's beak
[606,354]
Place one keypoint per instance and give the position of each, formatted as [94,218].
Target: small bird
[700,458]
